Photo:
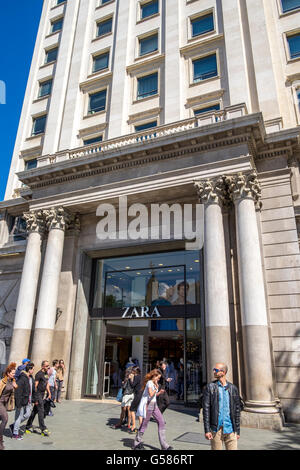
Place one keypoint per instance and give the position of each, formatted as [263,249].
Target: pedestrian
[221,411]
[128,396]
[138,392]
[52,372]
[129,364]
[163,400]
[21,368]
[60,376]
[148,408]
[8,386]
[24,397]
[180,382]
[41,387]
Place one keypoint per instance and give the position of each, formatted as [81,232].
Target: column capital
[35,221]
[244,186]
[212,191]
[57,218]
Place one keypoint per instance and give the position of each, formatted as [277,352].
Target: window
[147,86]
[39,124]
[92,140]
[104,27]
[31,164]
[148,44]
[97,102]
[294,45]
[205,68]
[149,9]
[57,25]
[215,107]
[143,127]
[105,1]
[60,1]
[100,62]
[51,55]
[202,25]
[45,88]
[289,5]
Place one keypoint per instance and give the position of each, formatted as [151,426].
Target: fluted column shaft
[245,193]
[28,287]
[218,340]
[56,220]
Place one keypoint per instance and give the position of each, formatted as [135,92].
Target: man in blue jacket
[221,411]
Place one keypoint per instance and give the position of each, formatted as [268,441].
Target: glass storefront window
[151,307]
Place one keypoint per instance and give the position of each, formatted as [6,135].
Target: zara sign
[141,312]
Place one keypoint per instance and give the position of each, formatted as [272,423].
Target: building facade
[139,105]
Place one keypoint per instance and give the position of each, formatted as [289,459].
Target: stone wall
[282,268]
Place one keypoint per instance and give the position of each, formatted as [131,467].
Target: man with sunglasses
[221,411]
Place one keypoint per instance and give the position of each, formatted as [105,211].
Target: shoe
[117,426]
[29,430]
[11,427]
[45,433]
[140,446]
[17,437]
[170,448]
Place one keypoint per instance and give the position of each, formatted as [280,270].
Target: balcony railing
[147,136]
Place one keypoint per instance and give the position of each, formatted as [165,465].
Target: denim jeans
[20,416]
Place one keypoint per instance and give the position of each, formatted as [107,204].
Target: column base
[258,420]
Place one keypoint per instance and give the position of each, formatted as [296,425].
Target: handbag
[120,394]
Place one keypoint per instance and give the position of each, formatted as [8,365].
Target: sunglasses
[218,370]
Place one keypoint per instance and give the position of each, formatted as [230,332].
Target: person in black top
[138,392]
[163,400]
[41,386]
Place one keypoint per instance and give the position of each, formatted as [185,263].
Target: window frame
[196,58]
[287,12]
[143,75]
[142,3]
[104,20]
[146,36]
[206,106]
[288,34]
[34,119]
[197,16]
[41,83]
[98,54]
[94,92]
[84,139]
[56,47]
[145,123]
[56,20]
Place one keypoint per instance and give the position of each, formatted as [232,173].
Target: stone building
[144,103]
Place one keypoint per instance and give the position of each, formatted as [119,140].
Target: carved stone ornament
[56,218]
[212,191]
[35,221]
[244,186]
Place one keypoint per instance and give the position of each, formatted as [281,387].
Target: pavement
[86,425]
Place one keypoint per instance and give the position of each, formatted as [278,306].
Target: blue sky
[19,21]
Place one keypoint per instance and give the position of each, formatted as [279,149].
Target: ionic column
[212,194]
[56,220]
[245,192]
[28,287]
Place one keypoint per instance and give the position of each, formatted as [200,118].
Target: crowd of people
[142,399]
[148,399]
[29,394]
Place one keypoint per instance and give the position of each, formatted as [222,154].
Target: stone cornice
[129,162]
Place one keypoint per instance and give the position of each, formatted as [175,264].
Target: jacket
[210,404]
[10,405]
[23,391]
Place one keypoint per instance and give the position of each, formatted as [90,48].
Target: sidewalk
[85,425]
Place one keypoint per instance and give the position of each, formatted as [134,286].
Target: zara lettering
[141,312]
